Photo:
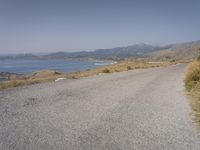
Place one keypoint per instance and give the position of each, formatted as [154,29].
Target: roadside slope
[140,109]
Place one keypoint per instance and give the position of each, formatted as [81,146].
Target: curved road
[135,110]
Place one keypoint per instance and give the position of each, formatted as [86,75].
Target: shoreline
[25,66]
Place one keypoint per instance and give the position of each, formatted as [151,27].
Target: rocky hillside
[184,51]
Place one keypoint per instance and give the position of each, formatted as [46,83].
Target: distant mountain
[125,52]
[173,51]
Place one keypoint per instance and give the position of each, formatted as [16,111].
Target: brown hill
[185,51]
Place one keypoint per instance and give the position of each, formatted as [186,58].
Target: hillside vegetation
[192,83]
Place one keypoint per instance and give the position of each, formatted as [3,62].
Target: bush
[106,70]
[129,68]
[173,60]
[74,77]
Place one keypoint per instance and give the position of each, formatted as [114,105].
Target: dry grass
[192,83]
[49,75]
[193,75]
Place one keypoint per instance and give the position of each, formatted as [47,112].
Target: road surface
[134,110]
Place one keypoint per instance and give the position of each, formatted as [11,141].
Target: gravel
[138,109]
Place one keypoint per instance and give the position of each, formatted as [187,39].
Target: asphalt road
[135,110]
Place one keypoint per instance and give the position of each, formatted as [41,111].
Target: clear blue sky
[73,25]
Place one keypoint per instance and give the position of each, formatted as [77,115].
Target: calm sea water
[27,66]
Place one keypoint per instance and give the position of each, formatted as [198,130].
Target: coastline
[25,66]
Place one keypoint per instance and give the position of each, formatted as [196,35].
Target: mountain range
[186,50]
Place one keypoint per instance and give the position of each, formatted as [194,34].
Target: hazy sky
[74,25]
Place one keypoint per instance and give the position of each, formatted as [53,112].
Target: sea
[24,66]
